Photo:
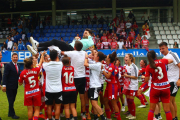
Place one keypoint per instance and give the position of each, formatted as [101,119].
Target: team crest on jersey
[110,68]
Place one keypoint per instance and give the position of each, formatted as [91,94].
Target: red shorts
[163,95]
[131,92]
[144,87]
[33,100]
[111,91]
[120,90]
[87,84]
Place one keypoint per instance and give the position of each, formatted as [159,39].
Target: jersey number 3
[68,79]
[159,70]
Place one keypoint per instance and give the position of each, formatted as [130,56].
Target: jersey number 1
[68,79]
[160,72]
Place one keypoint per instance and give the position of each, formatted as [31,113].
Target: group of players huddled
[61,75]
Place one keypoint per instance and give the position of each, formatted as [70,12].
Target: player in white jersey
[53,90]
[173,75]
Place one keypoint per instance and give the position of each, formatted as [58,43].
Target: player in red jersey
[143,87]
[111,88]
[32,94]
[160,87]
[69,89]
[120,84]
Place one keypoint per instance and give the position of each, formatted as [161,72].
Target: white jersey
[172,68]
[132,70]
[77,61]
[95,74]
[53,72]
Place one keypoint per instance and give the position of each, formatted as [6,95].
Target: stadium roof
[39,5]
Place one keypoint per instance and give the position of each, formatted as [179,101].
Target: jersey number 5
[159,70]
[32,82]
[70,78]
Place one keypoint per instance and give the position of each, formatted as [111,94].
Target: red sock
[108,113]
[151,115]
[111,107]
[119,105]
[118,116]
[168,115]
[42,106]
[87,108]
[144,98]
[141,98]
[132,107]
[35,118]
[45,112]
[30,119]
[128,104]
[62,108]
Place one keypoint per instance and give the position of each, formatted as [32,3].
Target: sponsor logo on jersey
[32,91]
[161,84]
[69,88]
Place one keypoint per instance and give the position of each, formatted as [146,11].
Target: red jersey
[68,79]
[123,34]
[133,34]
[103,38]
[116,38]
[109,40]
[135,26]
[31,81]
[136,45]
[121,82]
[145,42]
[110,68]
[130,39]
[116,74]
[99,45]
[142,71]
[159,76]
[113,45]
[105,45]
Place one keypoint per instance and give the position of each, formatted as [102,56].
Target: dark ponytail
[151,57]
[112,57]
[101,56]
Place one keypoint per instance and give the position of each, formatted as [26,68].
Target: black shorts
[51,97]
[93,93]
[69,97]
[102,88]
[80,84]
[173,89]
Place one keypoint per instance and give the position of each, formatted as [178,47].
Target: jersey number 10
[70,78]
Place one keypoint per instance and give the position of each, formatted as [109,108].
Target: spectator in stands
[112,33]
[94,39]
[4,47]
[9,22]
[97,39]
[132,33]
[122,14]
[130,16]
[101,20]
[128,44]
[120,44]
[130,38]
[62,39]
[77,35]
[106,44]
[146,17]
[99,45]
[107,33]
[10,44]
[138,38]
[123,34]
[111,26]
[145,26]
[115,37]
[94,20]
[7,39]
[135,27]
[41,27]
[128,27]
[104,37]
[101,32]
[19,30]
[175,45]
[116,20]
[118,30]
[144,35]
[146,30]
[27,43]
[114,44]
[109,39]
[15,47]
[145,43]
[89,19]
[137,44]
[122,25]
[12,37]
[21,46]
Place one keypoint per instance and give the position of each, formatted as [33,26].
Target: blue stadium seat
[75,26]
[100,25]
[42,35]
[74,30]
[44,31]
[61,26]
[38,31]
[56,27]
[37,35]
[52,34]
[68,31]
[37,27]
[58,30]
[51,27]
[65,26]
[84,26]
[62,34]
[46,27]
[71,38]
[82,30]
[51,38]
[90,26]
[73,34]
[40,39]
[94,26]
[67,34]
[81,34]
[47,35]
[35,38]
[49,30]
[54,30]
[28,35]
[79,26]
[105,26]
[57,38]
[34,35]
[70,26]
[78,30]
[45,39]
[58,34]
[34,31]
[66,38]
[64,31]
